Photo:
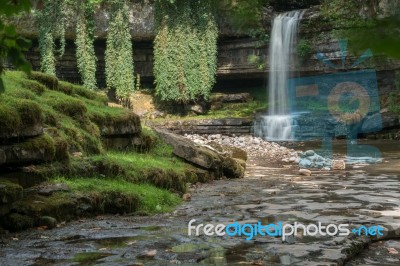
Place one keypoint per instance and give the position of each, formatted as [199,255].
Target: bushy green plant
[304,49]
[256,61]
[185,50]
[119,62]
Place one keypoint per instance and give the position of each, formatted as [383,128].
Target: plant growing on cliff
[304,50]
[367,24]
[118,58]
[85,53]
[12,45]
[185,49]
[51,19]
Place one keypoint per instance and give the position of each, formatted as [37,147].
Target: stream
[359,195]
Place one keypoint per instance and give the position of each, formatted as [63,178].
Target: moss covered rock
[127,123]
[20,118]
[10,192]
[36,150]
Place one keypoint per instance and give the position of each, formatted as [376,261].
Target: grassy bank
[146,178]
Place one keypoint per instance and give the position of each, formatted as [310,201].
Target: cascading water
[277,124]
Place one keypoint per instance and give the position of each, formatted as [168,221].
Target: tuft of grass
[47,80]
[151,199]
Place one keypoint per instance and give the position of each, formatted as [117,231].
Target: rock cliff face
[234,48]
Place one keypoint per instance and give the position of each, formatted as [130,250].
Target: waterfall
[277,124]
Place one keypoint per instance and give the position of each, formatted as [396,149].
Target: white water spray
[277,125]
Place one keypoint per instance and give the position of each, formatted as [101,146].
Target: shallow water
[358,195]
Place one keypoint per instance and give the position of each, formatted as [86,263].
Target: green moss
[149,140]
[78,139]
[47,80]
[44,143]
[9,192]
[61,206]
[89,258]
[29,111]
[61,149]
[67,105]
[33,86]
[22,94]
[137,197]
[65,87]
[10,120]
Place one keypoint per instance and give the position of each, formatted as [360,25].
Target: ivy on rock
[185,49]
[51,19]
[85,53]
[118,57]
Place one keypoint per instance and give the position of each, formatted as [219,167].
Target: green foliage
[246,14]
[185,50]
[51,19]
[304,49]
[361,22]
[85,54]
[246,17]
[346,14]
[119,62]
[12,46]
[256,61]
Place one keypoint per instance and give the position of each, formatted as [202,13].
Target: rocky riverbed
[357,196]
[254,146]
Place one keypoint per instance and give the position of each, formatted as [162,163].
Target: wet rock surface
[358,196]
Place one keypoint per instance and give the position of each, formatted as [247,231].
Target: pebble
[338,165]
[186,197]
[305,172]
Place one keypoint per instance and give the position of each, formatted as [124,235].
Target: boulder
[204,157]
